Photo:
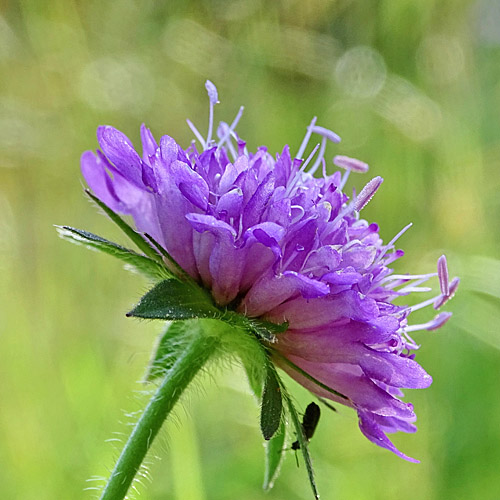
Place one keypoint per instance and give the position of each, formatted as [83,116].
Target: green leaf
[255,378]
[168,257]
[302,442]
[172,299]
[129,231]
[171,343]
[272,405]
[149,267]
[274,456]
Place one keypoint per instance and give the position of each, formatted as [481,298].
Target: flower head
[271,240]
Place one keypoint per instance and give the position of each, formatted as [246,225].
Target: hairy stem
[192,359]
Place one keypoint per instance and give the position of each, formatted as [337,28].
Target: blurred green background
[413,88]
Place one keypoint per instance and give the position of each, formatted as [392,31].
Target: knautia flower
[276,238]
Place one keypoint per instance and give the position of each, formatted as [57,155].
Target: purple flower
[272,241]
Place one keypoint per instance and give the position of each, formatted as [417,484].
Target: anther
[350,164]
[443,275]
[212,92]
[329,134]
[367,193]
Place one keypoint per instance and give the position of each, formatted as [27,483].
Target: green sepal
[274,456]
[264,330]
[299,431]
[172,299]
[141,243]
[170,344]
[272,405]
[143,264]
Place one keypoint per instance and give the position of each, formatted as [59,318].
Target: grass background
[413,89]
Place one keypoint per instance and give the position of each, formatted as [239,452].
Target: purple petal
[359,257]
[342,277]
[226,261]
[374,433]
[230,204]
[330,347]
[120,151]
[190,184]
[324,259]
[263,251]
[394,370]
[94,172]
[149,145]
[271,291]
[254,209]
[350,381]
[304,313]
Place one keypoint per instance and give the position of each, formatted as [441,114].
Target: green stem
[176,380]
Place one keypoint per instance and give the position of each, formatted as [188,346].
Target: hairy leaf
[149,267]
[129,231]
[272,406]
[274,456]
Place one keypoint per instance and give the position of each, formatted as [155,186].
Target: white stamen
[433,324]
[423,304]
[303,146]
[408,277]
[227,139]
[210,124]
[344,180]
[230,128]
[196,133]
[414,284]
[319,159]
[417,289]
[391,244]
[297,176]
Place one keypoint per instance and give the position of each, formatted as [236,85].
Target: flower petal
[120,151]
[374,433]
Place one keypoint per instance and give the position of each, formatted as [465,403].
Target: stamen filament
[230,128]
[321,154]
[391,244]
[305,141]
[196,133]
